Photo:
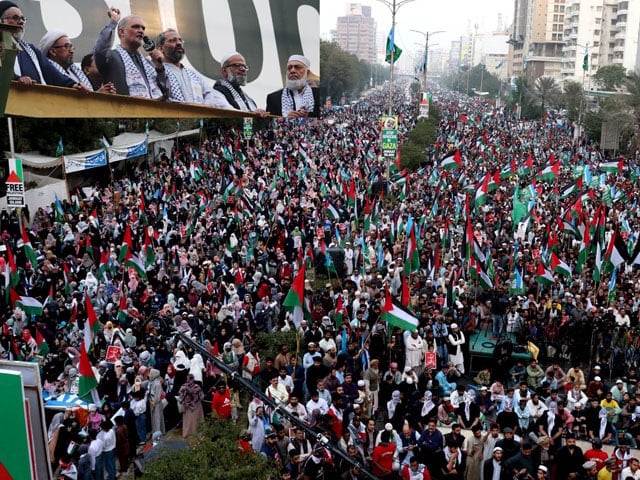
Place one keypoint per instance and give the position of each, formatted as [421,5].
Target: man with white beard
[227,92]
[31,66]
[297,99]
[184,84]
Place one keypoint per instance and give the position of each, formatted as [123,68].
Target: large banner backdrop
[266,32]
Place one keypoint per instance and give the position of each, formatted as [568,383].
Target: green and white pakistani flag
[517,284]
[393,52]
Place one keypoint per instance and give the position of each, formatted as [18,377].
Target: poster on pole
[424,106]
[247,128]
[389,136]
[15,183]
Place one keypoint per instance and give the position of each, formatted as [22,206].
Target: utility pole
[394,6]
[426,53]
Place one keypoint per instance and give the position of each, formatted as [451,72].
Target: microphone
[149,45]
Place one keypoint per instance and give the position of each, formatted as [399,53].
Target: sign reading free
[15,183]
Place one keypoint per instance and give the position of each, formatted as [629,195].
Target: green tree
[610,77]
[213,457]
[572,99]
[547,91]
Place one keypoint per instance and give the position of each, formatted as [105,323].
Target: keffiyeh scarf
[184,85]
[289,105]
[141,84]
[34,58]
[74,73]
[240,97]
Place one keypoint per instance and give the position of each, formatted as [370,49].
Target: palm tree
[572,97]
[547,90]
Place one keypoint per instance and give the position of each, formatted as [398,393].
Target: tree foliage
[343,74]
[477,78]
[610,77]
[213,457]
[547,92]
[422,136]
[572,98]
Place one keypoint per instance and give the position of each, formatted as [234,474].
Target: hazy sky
[455,17]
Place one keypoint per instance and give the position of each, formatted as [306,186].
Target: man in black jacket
[297,99]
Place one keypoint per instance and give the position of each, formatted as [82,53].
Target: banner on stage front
[79,163]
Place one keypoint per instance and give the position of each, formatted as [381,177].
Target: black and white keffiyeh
[240,97]
[74,73]
[34,58]
[185,85]
[141,84]
[289,104]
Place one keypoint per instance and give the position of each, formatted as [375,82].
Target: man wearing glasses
[31,66]
[227,92]
[58,48]
[124,66]
[184,84]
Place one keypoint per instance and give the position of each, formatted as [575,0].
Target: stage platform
[481,347]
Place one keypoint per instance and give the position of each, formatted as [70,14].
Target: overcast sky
[455,17]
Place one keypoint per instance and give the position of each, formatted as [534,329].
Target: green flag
[393,51]
[585,60]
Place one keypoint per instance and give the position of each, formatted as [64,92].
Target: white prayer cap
[49,38]
[301,59]
[225,58]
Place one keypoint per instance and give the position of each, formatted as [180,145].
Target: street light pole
[426,52]
[394,6]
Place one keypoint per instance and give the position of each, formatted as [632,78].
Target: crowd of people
[530,237]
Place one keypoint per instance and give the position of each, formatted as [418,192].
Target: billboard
[265,32]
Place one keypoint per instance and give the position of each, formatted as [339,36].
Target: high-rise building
[356,32]
[552,37]
[537,38]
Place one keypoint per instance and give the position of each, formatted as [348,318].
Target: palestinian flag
[617,251]
[126,247]
[544,276]
[405,299]
[452,160]
[485,281]
[137,265]
[43,347]
[412,259]
[397,317]
[29,252]
[295,299]
[122,312]
[332,212]
[12,268]
[597,266]
[149,252]
[91,325]
[87,382]
[351,195]
[550,173]
[612,167]
[481,194]
[339,312]
[30,305]
[558,266]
